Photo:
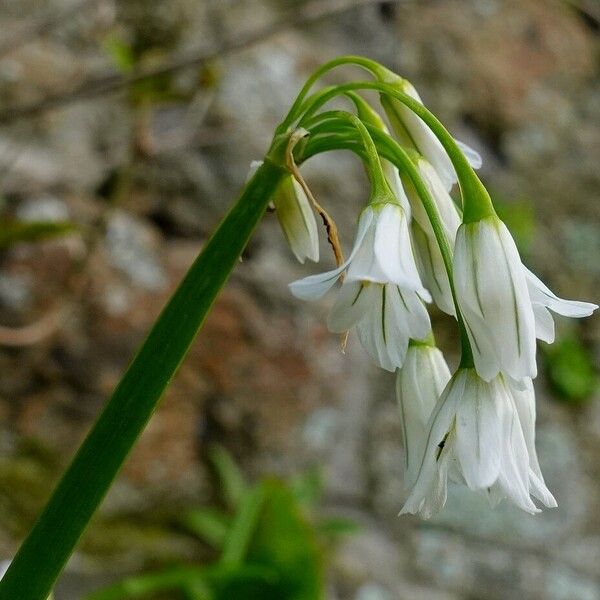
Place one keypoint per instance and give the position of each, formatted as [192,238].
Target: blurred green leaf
[144,586]
[231,479]
[337,526]
[15,232]
[210,524]
[243,526]
[286,542]
[519,216]
[120,53]
[570,368]
[308,487]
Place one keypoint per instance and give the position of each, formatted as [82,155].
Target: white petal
[314,287]
[438,427]
[541,294]
[444,203]
[524,401]
[419,384]
[493,297]
[478,433]
[384,333]
[436,498]
[351,305]
[514,473]
[393,250]
[392,176]
[433,271]
[297,219]
[471,155]
[544,323]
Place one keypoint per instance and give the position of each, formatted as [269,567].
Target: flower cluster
[414,245]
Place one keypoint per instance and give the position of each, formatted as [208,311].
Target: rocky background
[146,172]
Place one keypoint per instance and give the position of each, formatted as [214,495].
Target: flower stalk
[46,549]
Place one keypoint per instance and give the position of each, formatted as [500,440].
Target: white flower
[296,217]
[476,437]
[493,298]
[386,318]
[382,290]
[382,254]
[544,301]
[419,384]
[428,254]
[412,131]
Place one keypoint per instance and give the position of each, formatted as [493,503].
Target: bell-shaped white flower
[544,301]
[297,219]
[493,298]
[412,131]
[476,437]
[381,254]
[427,251]
[382,291]
[295,215]
[419,384]
[386,318]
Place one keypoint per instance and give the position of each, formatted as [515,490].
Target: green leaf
[570,369]
[308,487]
[286,542]
[50,543]
[337,526]
[15,232]
[210,524]
[519,217]
[231,479]
[243,526]
[120,53]
[143,586]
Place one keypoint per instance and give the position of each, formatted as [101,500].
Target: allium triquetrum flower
[493,298]
[478,435]
[382,292]
[296,217]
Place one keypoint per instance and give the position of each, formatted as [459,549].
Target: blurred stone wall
[148,176]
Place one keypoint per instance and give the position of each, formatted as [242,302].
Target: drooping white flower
[386,318]
[544,301]
[476,437]
[419,384]
[493,298]
[412,131]
[296,217]
[382,291]
[428,254]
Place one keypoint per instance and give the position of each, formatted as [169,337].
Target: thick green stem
[52,539]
